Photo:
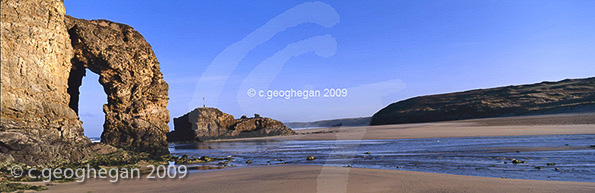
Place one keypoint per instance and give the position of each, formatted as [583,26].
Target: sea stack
[210,123]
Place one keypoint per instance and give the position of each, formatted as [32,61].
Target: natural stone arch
[135,114]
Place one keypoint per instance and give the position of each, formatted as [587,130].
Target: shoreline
[423,130]
[307,178]
[554,124]
[313,178]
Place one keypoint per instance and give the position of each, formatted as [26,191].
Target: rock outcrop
[210,123]
[571,95]
[201,123]
[258,127]
[135,114]
[41,73]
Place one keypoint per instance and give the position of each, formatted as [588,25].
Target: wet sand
[298,178]
[436,130]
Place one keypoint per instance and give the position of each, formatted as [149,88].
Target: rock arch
[44,56]
[135,114]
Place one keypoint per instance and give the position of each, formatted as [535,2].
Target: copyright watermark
[16,171]
[113,174]
[301,94]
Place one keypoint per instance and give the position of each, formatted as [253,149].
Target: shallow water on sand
[475,156]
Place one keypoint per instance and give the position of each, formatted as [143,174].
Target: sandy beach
[298,178]
[301,178]
[557,124]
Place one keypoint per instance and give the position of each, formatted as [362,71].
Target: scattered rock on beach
[184,158]
[205,158]
[515,161]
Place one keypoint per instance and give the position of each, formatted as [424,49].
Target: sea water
[573,155]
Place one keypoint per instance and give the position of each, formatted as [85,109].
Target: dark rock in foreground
[571,95]
[210,123]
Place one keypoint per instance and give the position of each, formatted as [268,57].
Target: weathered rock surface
[571,95]
[258,127]
[210,123]
[41,73]
[37,126]
[201,123]
[135,114]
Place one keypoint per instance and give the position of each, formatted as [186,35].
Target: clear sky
[379,51]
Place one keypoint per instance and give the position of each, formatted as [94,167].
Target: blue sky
[379,51]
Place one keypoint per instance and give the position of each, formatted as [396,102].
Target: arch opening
[91,101]
[87,98]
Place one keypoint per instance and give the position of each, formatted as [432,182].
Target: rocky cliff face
[546,97]
[37,125]
[41,73]
[210,123]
